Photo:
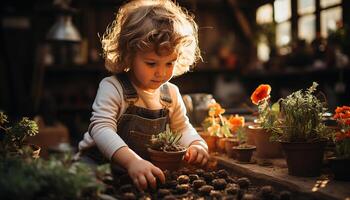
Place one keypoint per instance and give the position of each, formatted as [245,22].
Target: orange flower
[215,110]
[236,122]
[262,92]
[214,129]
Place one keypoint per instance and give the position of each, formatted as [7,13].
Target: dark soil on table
[188,184]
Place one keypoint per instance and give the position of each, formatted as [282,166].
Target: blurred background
[285,43]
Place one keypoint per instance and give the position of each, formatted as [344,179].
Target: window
[330,18]
[307,20]
[264,19]
[328,15]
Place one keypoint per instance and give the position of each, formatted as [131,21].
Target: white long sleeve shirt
[110,104]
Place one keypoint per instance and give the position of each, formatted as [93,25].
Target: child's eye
[170,64]
[152,64]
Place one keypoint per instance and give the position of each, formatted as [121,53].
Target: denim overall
[137,125]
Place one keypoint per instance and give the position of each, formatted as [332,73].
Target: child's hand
[197,153]
[144,173]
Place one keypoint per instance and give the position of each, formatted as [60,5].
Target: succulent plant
[166,141]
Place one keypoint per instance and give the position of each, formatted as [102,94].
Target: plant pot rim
[304,142]
[167,152]
[248,147]
[338,158]
[254,126]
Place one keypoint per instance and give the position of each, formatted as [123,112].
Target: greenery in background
[166,141]
[300,118]
[241,135]
[47,179]
[23,177]
[266,33]
[13,137]
[341,37]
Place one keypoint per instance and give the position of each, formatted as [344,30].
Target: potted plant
[243,151]
[340,163]
[236,122]
[267,114]
[12,140]
[301,131]
[217,127]
[165,151]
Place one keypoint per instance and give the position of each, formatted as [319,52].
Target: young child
[147,44]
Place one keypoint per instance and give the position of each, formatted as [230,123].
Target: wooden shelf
[322,188]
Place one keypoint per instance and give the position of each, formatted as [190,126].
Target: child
[148,43]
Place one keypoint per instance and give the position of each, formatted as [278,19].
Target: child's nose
[161,71]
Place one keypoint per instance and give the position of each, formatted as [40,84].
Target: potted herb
[12,140]
[267,114]
[301,131]
[165,151]
[340,163]
[243,152]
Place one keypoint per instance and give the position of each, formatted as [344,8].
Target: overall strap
[130,94]
[165,95]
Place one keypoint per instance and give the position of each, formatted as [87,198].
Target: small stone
[222,173]
[193,177]
[129,196]
[200,172]
[231,180]
[208,176]
[183,188]
[163,192]
[215,194]
[126,188]
[171,184]
[219,184]
[198,183]
[243,183]
[169,197]
[233,189]
[266,192]
[249,197]
[205,189]
[183,179]
[285,195]
[229,197]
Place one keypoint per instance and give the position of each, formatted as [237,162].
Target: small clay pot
[166,160]
[229,143]
[244,154]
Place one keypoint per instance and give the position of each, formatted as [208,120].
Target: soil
[188,184]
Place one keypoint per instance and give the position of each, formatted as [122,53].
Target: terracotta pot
[229,143]
[220,145]
[166,160]
[340,168]
[304,158]
[249,133]
[244,154]
[264,147]
[210,140]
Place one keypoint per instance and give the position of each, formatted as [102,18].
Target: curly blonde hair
[151,25]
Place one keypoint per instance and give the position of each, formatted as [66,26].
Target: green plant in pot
[340,163]
[301,131]
[267,114]
[12,140]
[243,152]
[165,150]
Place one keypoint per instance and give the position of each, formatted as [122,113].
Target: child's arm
[141,171]
[197,153]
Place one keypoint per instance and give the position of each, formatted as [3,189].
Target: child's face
[150,71]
